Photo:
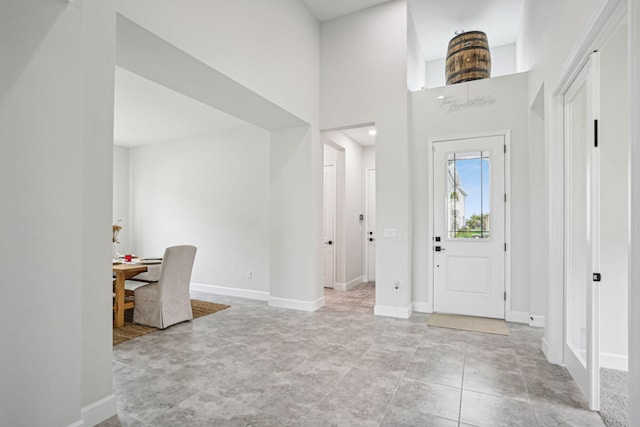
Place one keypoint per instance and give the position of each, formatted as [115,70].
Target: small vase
[114,251]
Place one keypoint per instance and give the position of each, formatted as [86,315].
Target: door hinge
[595,133]
[505,296]
[505,247]
[597,277]
[505,148]
[505,198]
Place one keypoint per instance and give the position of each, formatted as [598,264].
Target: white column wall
[363,79]
[296,221]
[538,222]
[98,36]
[416,65]
[56,136]
[614,203]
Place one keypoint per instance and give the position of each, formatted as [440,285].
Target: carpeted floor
[614,397]
[469,323]
[130,330]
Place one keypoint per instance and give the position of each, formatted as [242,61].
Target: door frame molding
[366,225]
[335,218]
[506,134]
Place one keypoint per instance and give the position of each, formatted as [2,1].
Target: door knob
[440,248]
[329,242]
[371,239]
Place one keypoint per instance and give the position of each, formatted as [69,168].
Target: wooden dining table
[123,272]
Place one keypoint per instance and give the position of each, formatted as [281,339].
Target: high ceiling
[146,112]
[437,20]
[325,10]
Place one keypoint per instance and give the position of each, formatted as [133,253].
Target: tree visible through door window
[468,189]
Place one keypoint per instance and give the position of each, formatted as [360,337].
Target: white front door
[469,226]
[329,228]
[371,225]
[582,234]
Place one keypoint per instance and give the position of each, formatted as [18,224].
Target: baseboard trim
[79,423]
[422,307]
[388,311]
[618,362]
[297,304]
[349,285]
[98,411]
[536,321]
[545,347]
[230,292]
[517,317]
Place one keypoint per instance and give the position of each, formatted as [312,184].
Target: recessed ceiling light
[373,132]
[441,97]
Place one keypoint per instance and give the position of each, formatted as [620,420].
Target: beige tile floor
[253,365]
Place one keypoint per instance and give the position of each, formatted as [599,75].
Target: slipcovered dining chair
[166,302]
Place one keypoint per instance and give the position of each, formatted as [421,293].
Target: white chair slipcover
[166,302]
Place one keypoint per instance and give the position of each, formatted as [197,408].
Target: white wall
[363,79]
[211,191]
[368,159]
[503,62]
[269,47]
[121,197]
[538,221]
[509,112]
[614,152]
[416,65]
[56,137]
[296,219]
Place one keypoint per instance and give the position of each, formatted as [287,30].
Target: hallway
[362,295]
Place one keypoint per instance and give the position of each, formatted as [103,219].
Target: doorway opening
[349,215]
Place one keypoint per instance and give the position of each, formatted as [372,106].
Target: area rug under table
[469,323]
[131,330]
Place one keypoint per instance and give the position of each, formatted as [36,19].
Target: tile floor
[252,365]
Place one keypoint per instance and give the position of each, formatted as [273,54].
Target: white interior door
[582,235]
[329,226]
[469,226]
[371,225]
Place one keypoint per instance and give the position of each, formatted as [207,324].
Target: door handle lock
[330,242]
[371,239]
[439,249]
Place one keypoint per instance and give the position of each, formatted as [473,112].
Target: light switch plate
[390,232]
